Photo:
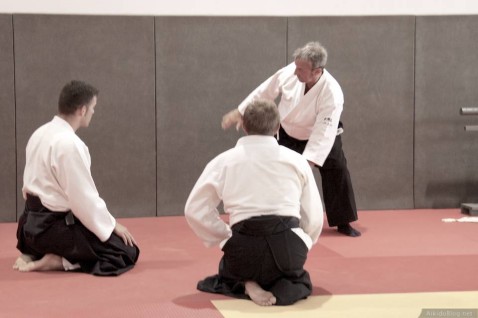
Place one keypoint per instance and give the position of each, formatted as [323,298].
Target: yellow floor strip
[406,305]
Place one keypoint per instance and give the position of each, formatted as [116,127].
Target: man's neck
[308,86]
[72,120]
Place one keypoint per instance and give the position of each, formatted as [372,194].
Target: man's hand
[124,234]
[233,117]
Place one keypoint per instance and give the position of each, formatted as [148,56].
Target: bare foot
[259,295]
[22,260]
[49,262]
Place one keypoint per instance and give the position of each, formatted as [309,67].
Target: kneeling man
[66,224]
[275,214]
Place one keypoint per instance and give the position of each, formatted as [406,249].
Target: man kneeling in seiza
[275,214]
[66,224]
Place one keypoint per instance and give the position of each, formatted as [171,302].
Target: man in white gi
[275,214]
[66,224]
[310,107]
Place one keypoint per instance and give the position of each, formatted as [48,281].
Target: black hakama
[339,198]
[41,231]
[265,250]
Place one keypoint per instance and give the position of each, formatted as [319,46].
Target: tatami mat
[405,305]
[405,261]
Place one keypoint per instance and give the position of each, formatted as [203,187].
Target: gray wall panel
[373,60]
[446,169]
[7,122]
[205,67]
[165,83]
[116,54]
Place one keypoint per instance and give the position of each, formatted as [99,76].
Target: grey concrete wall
[446,166]
[373,60]
[8,184]
[205,67]
[165,83]
[116,54]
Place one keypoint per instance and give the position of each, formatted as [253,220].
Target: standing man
[65,224]
[310,107]
[275,214]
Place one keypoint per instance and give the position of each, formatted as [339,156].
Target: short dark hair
[74,95]
[261,117]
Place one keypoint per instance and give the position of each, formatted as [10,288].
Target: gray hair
[261,117]
[313,52]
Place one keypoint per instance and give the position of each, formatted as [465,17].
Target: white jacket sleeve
[201,208]
[71,166]
[312,213]
[269,89]
[325,128]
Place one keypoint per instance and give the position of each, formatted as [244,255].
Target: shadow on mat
[204,300]
[199,300]
[332,231]
[147,265]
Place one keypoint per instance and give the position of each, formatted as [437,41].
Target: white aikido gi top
[257,177]
[314,116]
[57,170]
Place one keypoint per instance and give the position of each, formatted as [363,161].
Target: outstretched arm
[233,117]
[269,89]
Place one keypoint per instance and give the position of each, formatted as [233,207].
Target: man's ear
[277,129]
[83,108]
[319,71]
[244,129]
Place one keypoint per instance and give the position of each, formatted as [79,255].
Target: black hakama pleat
[339,197]
[265,250]
[41,231]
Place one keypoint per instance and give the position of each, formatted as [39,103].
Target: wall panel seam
[155,114]
[414,110]
[15,117]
